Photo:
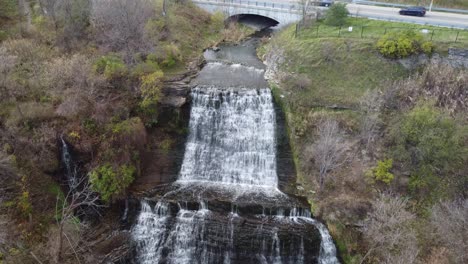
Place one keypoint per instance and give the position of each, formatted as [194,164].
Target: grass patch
[340,70]
[363,28]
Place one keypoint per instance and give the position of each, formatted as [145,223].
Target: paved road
[389,13]
[443,19]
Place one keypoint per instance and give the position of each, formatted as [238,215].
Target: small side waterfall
[225,206]
[71,167]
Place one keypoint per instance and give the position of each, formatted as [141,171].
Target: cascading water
[232,137]
[231,148]
[70,166]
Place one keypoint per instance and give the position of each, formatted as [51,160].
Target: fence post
[339,32]
[456,38]
[317,30]
[432,35]
[295,33]
[385,31]
[362,31]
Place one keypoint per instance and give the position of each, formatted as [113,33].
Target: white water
[231,145]
[70,166]
[232,137]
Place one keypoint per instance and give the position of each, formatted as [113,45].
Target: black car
[413,11]
[325,2]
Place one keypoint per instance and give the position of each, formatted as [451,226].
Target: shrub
[427,47]
[381,172]
[30,113]
[111,66]
[147,67]
[172,55]
[24,203]
[8,9]
[403,44]
[430,145]
[75,72]
[389,233]
[110,182]
[336,15]
[130,132]
[150,88]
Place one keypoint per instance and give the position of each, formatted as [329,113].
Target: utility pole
[430,6]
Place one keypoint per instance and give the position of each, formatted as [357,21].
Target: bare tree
[328,150]
[450,221]
[8,87]
[388,232]
[68,210]
[7,64]
[25,11]
[370,105]
[120,24]
[69,17]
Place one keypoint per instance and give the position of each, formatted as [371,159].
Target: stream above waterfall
[227,204]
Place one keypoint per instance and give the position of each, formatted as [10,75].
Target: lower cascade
[225,206]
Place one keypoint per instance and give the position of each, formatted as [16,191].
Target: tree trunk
[25,12]
[58,256]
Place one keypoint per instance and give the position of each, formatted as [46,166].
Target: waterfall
[231,137]
[150,231]
[231,147]
[70,166]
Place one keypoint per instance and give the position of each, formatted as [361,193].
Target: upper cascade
[231,138]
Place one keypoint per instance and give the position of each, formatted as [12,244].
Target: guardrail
[261,4]
[434,8]
[373,32]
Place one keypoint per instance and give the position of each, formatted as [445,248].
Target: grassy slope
[340,72]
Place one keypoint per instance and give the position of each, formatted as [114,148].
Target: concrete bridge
[283,13]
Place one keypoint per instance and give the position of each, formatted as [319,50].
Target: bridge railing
[253,3]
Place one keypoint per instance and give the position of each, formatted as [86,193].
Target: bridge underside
[282,16]
[256,21]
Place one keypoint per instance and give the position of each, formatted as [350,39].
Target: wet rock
[174,101]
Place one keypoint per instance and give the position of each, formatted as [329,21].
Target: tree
[336,15]
[388,232]
[8,87]
[430,144]
[370,105]
[7,65]
[120,24]
[78,198]
[70,18]
[328,150]
[450,222]
[8,9]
